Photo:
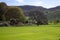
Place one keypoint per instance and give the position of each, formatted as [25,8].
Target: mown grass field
[42,32]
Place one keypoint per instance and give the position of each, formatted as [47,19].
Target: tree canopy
[16,13]
[39,16]
[3,8]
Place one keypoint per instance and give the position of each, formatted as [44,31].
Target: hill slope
[53,13]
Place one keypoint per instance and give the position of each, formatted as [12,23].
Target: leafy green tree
[39,16]
[3,8]
[15,13]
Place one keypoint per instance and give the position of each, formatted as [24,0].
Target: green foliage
[56,21]
[3,8]
[7,13]
[16,13]
[39,16]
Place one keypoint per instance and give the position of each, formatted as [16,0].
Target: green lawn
[43,32]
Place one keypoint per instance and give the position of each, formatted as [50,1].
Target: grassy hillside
[43,32]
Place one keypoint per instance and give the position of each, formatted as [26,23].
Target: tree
[15,13]
[56,21]
[3,8]
[39,16]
